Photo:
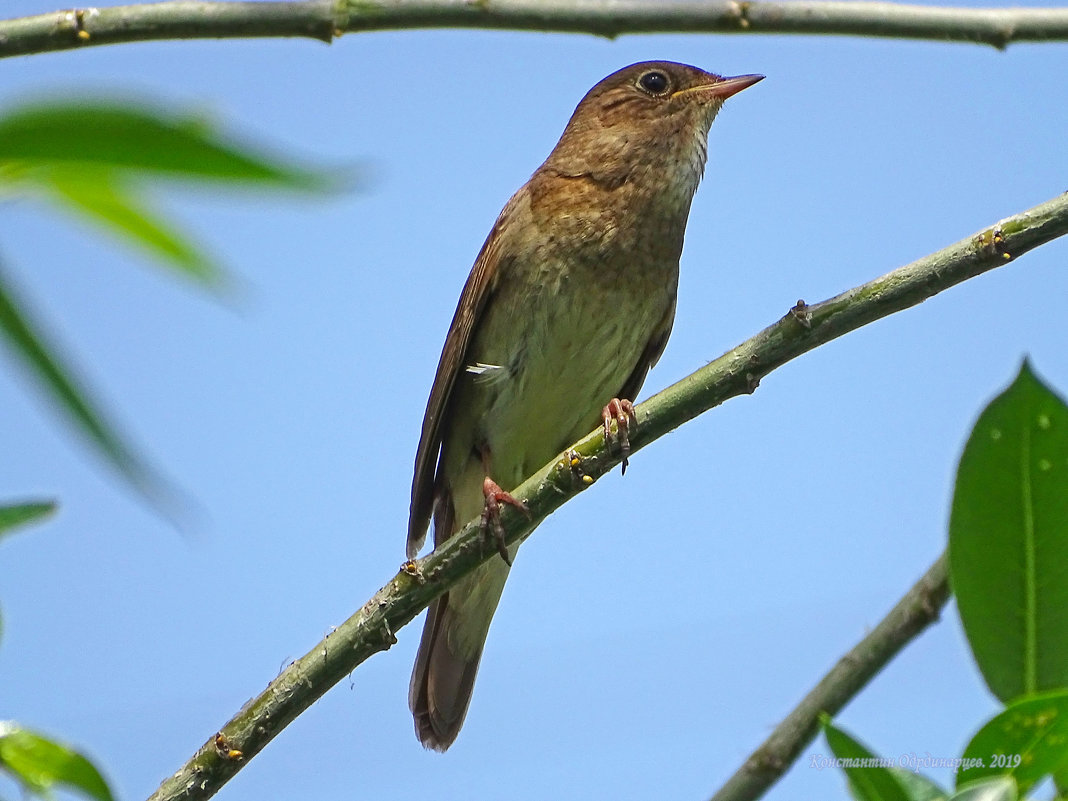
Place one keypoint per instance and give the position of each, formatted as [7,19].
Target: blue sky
[656,629]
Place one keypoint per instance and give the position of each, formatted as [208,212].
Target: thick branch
[324,19]
[916,610]
[737,372]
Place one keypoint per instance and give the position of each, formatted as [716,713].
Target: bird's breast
[568,321]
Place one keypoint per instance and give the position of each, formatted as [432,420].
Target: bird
[568,305]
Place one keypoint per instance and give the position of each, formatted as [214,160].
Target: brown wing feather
[650,356]
[476,292]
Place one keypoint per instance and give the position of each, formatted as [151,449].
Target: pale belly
[562,355]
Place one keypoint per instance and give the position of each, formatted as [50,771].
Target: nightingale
[568,305]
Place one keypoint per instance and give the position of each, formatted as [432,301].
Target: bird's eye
[654,82]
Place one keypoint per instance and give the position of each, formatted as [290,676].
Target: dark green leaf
[870,777]
[1027,741]
[98,196]
[1060,781]
[1008,540]
[127,137]
[999,789]
[39,763]
[17,514]
[28,344]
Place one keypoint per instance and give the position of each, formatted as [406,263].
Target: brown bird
[569,304]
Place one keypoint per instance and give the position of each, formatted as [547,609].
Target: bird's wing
[480,286]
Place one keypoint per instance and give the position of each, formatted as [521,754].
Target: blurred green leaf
[1027,742]
[868,780]
[999,789]
[97,195]
[90,157]
[17,514]
[128,137]
[918,787]
[39,763]
[29,345]
[1008,540]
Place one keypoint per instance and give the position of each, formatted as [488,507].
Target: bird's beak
[723,88]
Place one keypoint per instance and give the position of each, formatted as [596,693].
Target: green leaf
[1008,540]
[18,514]
[1027,742]
[89,156]
[127,137]
[869,777]
[96,194]
[999,789]
[39,763]
[1060,781]
[30,346]
[918,787]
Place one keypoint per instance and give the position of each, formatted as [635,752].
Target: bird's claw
[622,411]
[491,514]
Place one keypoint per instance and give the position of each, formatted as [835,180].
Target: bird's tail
[449,652]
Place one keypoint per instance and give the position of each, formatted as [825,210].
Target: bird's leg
[491,512]
[622,411]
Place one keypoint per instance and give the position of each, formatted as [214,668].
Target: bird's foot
[491,514]
[622,411]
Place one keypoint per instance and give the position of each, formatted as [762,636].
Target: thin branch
[737,372]
[87,26]
[325,19]
[917,609]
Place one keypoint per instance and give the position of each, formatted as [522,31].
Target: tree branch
[917,609]
[737,372]
[175,19]
[325,19]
